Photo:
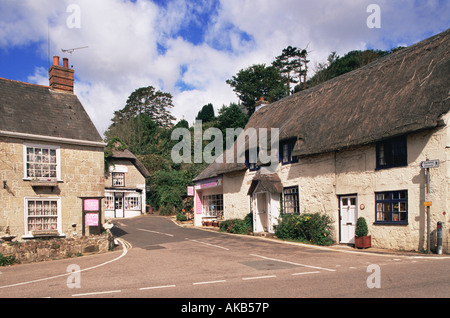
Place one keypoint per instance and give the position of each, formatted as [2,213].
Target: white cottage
[352,147]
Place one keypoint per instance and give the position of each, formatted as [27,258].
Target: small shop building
[125,187]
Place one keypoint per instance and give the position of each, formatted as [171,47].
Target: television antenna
[70,51]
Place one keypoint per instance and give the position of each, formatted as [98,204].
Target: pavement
[336,247]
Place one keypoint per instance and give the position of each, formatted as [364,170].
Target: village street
[160,259]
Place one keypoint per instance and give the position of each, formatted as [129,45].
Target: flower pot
[363,241]
[208,223]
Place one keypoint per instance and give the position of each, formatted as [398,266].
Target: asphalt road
[159,259]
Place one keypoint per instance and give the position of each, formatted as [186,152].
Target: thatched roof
[404,92]
[401,93]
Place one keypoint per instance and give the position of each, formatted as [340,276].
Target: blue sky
[189,48]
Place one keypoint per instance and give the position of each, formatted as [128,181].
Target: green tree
[206,114]
[258,81]
[148,101]
[293,65]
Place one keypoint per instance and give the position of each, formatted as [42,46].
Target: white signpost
[427,165]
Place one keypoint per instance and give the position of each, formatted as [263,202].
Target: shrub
[181,217]
[314,228]
[166,210]
[238,226]
[6,260]
[361,227]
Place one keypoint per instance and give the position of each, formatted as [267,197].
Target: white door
[260,212]
[118,205]
[348,217]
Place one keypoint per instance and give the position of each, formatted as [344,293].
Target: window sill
[43,233]
[391,223]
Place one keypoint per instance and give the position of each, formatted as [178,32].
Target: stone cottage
[125,191]
[51,156]
[352,147]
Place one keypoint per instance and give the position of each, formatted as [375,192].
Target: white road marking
[157,287]
[210,282]
[209,244]
[287,262]
[97,293]
[155,232]
[305,273]
[124,252]
[259,277]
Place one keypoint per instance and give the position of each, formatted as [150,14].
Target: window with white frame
[213,205]
[118,179]
[41,214]
[132,201]
[41,162]
[109,201]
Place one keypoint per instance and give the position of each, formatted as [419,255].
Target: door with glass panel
[348,216]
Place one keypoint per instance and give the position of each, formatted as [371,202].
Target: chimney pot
[56,60]
[65,62]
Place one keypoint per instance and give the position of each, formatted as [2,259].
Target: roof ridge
[20,82]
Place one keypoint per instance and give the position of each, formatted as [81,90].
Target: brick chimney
[61,77]
[260,104]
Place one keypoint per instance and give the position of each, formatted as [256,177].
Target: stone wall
[51,249]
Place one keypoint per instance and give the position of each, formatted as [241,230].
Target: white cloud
[131,45]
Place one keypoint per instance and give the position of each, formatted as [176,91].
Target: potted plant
[362,239]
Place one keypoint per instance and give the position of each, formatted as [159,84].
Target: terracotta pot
[363,241]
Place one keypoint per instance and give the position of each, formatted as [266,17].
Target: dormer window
[286,148]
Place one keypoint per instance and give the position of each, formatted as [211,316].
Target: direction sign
[429,164]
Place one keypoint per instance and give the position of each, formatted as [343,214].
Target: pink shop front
[208,200]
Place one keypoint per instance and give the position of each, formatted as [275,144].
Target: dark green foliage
[206,114]
[313,228]
[238,226]
[361,227]
[6,260]
[258,81]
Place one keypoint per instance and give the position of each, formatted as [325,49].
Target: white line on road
[287,262]
[97,293]
[210,282]
[156,287]
[154,232]
[209,244]
[305,273]
[124,252]
[259,277]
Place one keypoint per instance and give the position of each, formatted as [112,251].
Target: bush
[361,227]
[238,226]
[6,260]
[166,210]
[314,228]
[181,217]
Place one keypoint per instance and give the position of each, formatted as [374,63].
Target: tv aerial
[70,51]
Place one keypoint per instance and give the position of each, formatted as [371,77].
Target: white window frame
[28,233]
[50,147]
[213,205]
[109,201]
[128,198]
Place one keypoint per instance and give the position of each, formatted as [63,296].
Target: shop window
[213,205]
[132,201]
[109,201]
[41,215]
[41,162]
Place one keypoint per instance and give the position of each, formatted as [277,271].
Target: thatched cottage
[352,147]
[52,156]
